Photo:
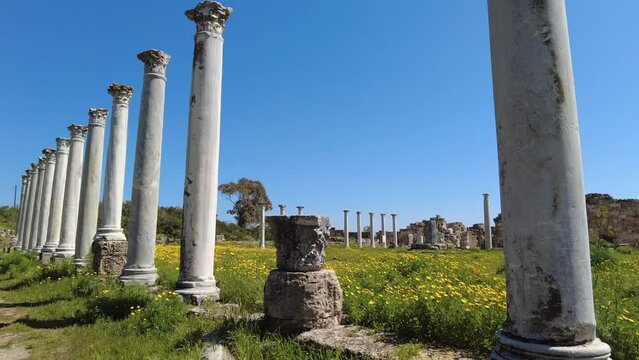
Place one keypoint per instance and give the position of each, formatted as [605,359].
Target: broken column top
[300,241]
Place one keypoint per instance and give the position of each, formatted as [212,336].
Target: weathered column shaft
[360,240]
[45,204]
[394,219]
[90,190]
[548,275]
[372,229]
[300,210]
[196,281]
[28,221]
[23,205]
[73,182]
[140,263]
[37,202]
[263,229]
[57,195]
[488,239]
[383,229]
[282,208]
[346,239]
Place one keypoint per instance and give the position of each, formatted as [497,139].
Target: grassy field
[450,298]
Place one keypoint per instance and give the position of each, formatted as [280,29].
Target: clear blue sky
[371,105]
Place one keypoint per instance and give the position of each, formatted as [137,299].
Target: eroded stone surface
[109,257]
[300,241]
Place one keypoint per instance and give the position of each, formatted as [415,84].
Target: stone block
[109,257]
[299,301]
[300,241]
[46,257]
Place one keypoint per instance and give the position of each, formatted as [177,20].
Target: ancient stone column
[488,239]
[30,213]
[73,182]
[23,204]
[360,240]
[109,243]
[372,229]
[90,189]
[282,207]
[300,210]
[383,228]
[140,262]
[263,228]
[394,220]
[346,241]
[57,199]
[35,220]
[196,281]
[45,202]
[548,275]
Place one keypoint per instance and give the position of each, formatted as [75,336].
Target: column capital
[346,211]
[486,195]
[121,93]
[78,132]
[358,212]
[382,214]
[98,116]
[25,177]
[63,145]
[34,167]
[209,16]
[155,61]
[42,162]
[371,213]
[49,155]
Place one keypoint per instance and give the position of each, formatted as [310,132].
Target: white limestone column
[263,228]
[346,240]
[394,220]
[113,195]
[383,228]
[372,229]
[488,238]
[45,202]
[196,281]
[37,205]
[57,195]
[73,182]
[140,262]
[24,212]
[282,208]
[28,224]
[548,276]
[23,204]
[360,240]
[300,210]
[90,189]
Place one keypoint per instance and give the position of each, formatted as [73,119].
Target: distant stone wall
[613,220]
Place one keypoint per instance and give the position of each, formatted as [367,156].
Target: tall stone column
[282,208]
[37,205]
[57,199]
[263,228]
[90,189]
[73,182]
[45,202]
[143,218]
[23,204]
[28,224]
[488,238]
[372,229]
[109,244]
[548,276]
[196,281]
[383,228]
[394,220]
[346,240]
[300,210]
[360,240]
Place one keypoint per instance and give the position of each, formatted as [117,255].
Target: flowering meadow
[454,298]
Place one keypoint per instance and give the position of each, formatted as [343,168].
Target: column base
[196,292]
[45,257]
[141,276]
[63,254]
[109,256]
[79,262]
[508,348]
[37,249]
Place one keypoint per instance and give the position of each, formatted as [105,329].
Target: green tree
[248,196]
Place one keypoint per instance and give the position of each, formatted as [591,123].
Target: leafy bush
[87,286]
[57,271]
[601,255]
[162,314]
[8,217]
[115,302]
[17,264]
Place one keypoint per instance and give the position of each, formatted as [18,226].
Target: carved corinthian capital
[49,155]
[98,116]
[209,16]
[63,145]
[155,61]
[121,93]
[42,162]
[35,167]
[77,131]
[25,178]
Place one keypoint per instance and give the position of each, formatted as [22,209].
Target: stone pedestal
[46,257]
[300,295]
[109,256]
[548,277]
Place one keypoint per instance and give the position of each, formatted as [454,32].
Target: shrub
[17,264]
[601,255]
[57,271]
[115,302]
[87,286]
[162,314]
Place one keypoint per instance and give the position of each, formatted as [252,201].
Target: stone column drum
[488,239]
[346,240]
[394,220]
[197,252]
[140,261]
[24,199]
[28,225]
[282,208]
[300,294]
[263,228]
[109,244]
[73,182]
[37,204]
[57,199]
[372,229]
[300,210]
[548,276]
[45,202]
[360,240]
[90,190]
[383,229]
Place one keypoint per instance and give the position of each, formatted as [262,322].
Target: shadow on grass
[52,324]
[33,304]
